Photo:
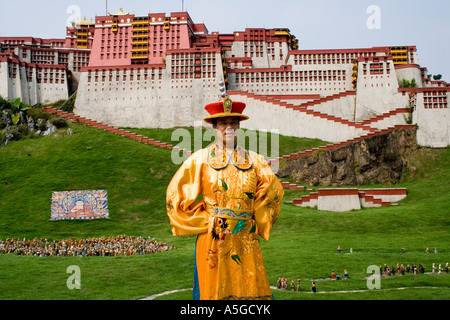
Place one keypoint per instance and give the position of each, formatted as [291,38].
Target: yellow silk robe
[241,201]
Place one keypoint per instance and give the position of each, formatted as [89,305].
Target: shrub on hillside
[20,121]
[57,104]
[5,104]
[36,113]
[69,105]
[59,122]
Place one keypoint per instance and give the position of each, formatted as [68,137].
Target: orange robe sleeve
[268,197]
[187,216]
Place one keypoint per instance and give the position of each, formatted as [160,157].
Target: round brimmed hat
[225,108]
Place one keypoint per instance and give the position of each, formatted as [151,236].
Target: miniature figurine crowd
[385,271]
[105,246]
[282,283]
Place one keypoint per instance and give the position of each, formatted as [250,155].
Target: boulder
[372,160]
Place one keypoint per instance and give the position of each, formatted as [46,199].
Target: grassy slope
[286,145]
[303,242]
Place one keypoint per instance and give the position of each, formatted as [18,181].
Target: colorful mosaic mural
[73,205]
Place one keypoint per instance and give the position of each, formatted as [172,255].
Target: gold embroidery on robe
[219,157]
[241,202]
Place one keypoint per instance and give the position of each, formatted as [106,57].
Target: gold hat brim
[225,115]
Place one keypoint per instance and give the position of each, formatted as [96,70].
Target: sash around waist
[230,213]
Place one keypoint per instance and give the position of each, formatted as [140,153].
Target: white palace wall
[390,121]
[159,100]
[167,103]
[174,96]
[145,104]
[266,116]
[325,80]
[342,107]
[130,98]
[410,72]
[32,84]
[263,54]
[377,89]
[4,89]
[433,118]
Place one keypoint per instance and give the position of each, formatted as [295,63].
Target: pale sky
[318,24]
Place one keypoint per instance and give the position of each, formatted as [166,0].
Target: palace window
[376,68]
[435,99]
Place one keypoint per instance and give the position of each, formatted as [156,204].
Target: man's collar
[219,158]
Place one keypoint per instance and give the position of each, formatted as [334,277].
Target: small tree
[437,77]
[404,83]
[16,107]
[408,84]
[4,104]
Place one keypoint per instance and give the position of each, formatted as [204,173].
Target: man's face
[226,129]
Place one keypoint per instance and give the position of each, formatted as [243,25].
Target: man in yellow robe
[241,202]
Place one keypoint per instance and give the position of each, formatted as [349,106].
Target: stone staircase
[368,198]
[304,107]
[122,132]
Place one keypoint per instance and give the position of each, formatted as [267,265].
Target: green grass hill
[302,245]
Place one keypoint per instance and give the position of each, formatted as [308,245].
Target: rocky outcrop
[373,160]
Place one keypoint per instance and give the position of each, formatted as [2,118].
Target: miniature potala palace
[159,71]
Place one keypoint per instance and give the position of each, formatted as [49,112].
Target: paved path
[152,297]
